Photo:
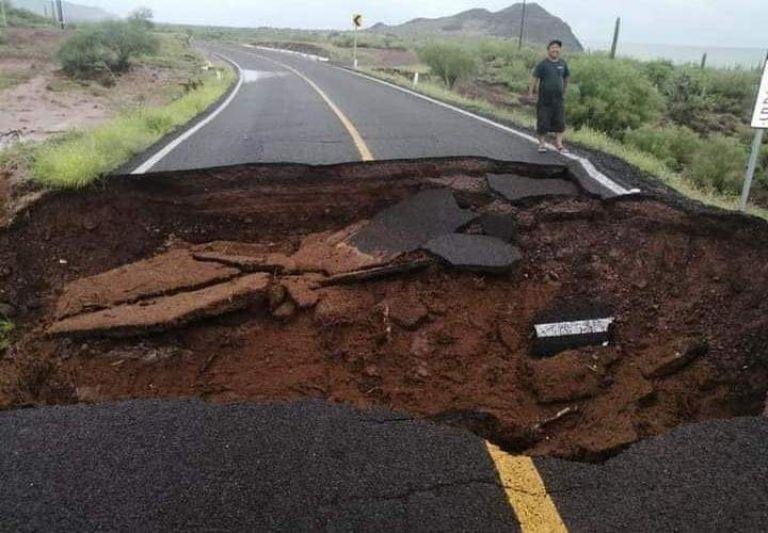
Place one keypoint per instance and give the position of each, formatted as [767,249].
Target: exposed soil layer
[689,292]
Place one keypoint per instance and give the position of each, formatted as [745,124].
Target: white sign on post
[760,117]
[760,123]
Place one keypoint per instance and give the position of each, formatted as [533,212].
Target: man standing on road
[550,81]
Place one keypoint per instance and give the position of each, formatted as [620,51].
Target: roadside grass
[76,159]
[13,78]
[64,85]
[585,137]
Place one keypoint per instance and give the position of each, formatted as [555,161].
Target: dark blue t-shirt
[552,75]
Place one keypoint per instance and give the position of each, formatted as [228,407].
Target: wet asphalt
[188,465]
[278,117]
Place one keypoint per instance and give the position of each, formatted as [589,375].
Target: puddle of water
[251,76]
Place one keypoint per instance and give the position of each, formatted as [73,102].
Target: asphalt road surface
[284,112]
[187,465]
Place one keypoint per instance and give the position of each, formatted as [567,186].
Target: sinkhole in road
[410,285]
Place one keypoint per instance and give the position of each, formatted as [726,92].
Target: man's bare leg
[559,140]
[542,143]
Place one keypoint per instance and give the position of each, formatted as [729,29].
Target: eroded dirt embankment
[688,292]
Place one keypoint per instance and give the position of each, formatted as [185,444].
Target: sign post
[357,20]
[760,123]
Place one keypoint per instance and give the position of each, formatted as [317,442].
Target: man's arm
[566,77]
[533,85]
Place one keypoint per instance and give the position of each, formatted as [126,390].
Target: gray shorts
[550,117]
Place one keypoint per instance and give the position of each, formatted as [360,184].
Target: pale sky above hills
[695,22]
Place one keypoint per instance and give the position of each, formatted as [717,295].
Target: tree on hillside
[142,16]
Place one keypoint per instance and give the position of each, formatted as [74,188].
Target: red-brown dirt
[688,290]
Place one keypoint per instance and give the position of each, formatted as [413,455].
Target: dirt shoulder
[40,102]
[46,102]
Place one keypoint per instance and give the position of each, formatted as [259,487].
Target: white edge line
[168,148]
[579,327]
[585,163]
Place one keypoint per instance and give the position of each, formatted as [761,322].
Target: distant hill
[540,25]
[72,12]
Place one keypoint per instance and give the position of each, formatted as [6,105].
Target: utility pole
[522,27]
[704,61]
[615,44]
[60,10]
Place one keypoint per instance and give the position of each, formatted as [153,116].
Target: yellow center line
[362,148]
[522,483]
[526,493]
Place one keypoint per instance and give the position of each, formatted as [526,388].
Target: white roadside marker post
[760,123]
[355,52]
[415,79]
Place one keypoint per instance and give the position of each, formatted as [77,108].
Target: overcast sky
[694,22]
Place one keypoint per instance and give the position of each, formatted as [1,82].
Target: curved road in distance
[290,109]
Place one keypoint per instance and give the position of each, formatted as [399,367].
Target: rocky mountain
[72,12]
[540,25]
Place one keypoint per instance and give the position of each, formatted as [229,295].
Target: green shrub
[673,145]
[733,91]
[611,95]
[450,62]
[515,75]
[506,52]
[719,165]
[659,72]
[6,329]
[687,100]
[106,46]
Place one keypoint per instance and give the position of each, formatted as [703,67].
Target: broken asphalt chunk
[500,225]
[168,312]
[562,329]
[475,252]
[515,188]
[163,274]
[409,224]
